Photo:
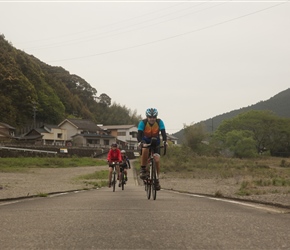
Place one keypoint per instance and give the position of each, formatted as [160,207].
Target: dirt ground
[53,180]
[227,188]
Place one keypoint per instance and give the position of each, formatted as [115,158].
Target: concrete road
[102,219]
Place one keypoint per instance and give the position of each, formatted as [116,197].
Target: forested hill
[279,104]
[29,86]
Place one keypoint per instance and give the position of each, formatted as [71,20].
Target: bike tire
[114,181]
[123,180]
[149,182]
[148,191]
[154,191]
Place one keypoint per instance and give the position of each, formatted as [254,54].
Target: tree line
[248,134]
[33,90]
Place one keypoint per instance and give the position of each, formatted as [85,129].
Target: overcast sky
[192,60]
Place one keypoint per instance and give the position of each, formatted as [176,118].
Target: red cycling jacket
[114,155]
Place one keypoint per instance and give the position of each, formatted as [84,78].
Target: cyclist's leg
[125,172]
[157,161]
[119,174]
[144,159]
[125,167]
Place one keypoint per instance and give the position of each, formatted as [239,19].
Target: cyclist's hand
[140,144]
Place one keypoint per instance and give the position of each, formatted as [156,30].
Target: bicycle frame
[151,182]
[114,179]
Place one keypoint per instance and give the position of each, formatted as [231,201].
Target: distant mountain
[279,104]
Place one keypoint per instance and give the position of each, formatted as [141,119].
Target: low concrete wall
[42,151]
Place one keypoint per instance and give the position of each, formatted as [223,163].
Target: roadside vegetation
[246,148]
[252,148]
[23,164]
[97,179]
[254,176]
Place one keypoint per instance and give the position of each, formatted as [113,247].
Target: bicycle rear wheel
[114,181]
[154,191]
[122,180]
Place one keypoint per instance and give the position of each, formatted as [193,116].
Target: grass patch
[97,179]
[282,182]
[42,194]
[192,166]
[97,184]
[218,194]
[21,164]
[103,174]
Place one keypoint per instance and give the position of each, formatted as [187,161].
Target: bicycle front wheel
[154,180]
[148,188]
[149,181]
[114,181]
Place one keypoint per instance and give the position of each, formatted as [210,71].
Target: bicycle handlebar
[145,145]
[115,163]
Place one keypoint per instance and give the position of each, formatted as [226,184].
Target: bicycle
[114,179]
[151,181]
[122,177]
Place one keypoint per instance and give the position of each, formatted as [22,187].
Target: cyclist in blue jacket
[148,128]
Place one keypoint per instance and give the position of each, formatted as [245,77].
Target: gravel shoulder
[53,180]
[44,181]
[227,188]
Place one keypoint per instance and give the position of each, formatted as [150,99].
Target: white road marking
[243,203]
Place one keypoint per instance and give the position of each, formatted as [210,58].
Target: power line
[103,34]
[175,36]
[105,26]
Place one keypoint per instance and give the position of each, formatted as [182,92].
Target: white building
[126,135]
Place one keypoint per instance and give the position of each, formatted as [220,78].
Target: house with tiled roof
[172,139]
[7,132]
[79,126]
[126,135]
[46,135]
[82,132]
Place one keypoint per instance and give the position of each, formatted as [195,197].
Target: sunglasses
[152,116]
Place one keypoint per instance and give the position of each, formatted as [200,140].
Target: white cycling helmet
[123,151]
[151,112]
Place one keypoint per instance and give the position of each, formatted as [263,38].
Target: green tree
[26,82]
[267,129]
[105,100]
[241,143]
[194,137]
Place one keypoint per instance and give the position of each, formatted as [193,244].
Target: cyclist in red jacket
[114,155]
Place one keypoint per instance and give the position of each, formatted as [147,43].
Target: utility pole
[34,116]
